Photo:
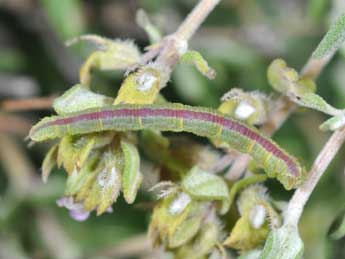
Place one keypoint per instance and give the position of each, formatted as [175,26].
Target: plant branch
[302,194]
[39,103]
[195,19]
[314,66]
[283,107]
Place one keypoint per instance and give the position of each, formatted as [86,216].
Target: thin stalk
[302,194]
[196,17]
[176,44]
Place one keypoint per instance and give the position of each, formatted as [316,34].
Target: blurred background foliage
[239,39]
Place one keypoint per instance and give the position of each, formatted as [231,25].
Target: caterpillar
[177,118]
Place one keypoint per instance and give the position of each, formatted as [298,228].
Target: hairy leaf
[333,39]
[131,177]
[200,63]
[49,162]
[203,185]
[79,98]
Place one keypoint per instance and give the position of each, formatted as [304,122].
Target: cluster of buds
[185,221]
[99,166]
[250,107]
[257,215]
[142,86]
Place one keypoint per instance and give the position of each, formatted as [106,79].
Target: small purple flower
[76,209]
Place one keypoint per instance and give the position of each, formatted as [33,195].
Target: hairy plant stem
[195,19]
[302,194]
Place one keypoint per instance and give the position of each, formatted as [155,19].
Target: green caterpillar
[177,117]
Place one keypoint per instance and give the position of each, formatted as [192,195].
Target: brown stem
[39,103]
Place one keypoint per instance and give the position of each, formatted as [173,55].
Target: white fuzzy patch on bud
[180,203]
[102,178]
[114,176]
[146,81]
[107,179]
[258,216]
[244,110]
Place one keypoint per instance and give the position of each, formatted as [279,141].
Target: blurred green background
[239,40]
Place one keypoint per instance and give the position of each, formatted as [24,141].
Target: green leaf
[186,231]
[49,162]
[316,102]
[199,62]
[78,180]
[107,185]
[203,243]
[283,242]
[245,237]
[280,76]
[79,98]
[243,183]
[333,39]
[67,153]
[253,254]
[287,81]
[131,176]
[85,152]
[203,185]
